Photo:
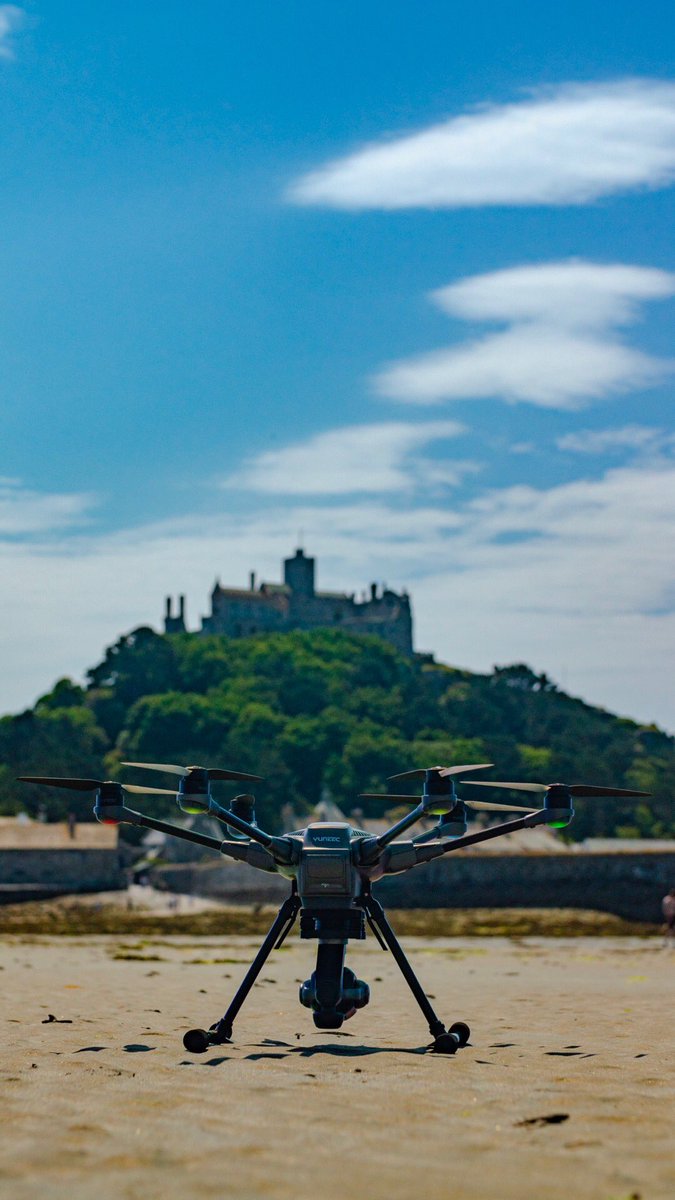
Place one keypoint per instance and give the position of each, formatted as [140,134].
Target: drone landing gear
[333,992]
[446,1041]
[197,1041]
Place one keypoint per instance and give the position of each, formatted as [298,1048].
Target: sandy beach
[566,1088]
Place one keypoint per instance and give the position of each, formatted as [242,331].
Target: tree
[309,710]
[54,741]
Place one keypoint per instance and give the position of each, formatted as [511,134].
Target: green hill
[326,710]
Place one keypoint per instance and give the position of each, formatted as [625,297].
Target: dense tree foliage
[326,711]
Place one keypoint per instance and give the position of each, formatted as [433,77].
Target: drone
[331,868]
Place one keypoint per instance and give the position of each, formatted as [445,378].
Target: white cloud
[562,348]
[374,458]
[575,579]
[641,438]
[565,145]
[28,512]
[11,19]
[571,294]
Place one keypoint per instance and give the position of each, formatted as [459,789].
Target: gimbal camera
[332,867]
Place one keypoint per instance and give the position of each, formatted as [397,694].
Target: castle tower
[174,624]
[299,574]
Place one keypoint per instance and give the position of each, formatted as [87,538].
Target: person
[668,909]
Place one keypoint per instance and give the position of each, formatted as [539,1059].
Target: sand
[565,1090]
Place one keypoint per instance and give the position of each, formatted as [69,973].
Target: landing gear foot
[462,1031]
[445,1043]
[196,1041]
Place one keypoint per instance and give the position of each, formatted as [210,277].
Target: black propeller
[209,772]
[442,772]
[92,785]
[573,789]
[477,805]
[439,795]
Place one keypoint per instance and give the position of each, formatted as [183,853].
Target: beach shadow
[549,1119]
[90,1049]
[137,1048]
[209,1062]
[342,1051]
[567,1054]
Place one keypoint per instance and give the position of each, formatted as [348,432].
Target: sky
[395,281]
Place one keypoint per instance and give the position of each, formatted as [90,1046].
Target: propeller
[477,805]
[210,772]
[92,785]
[574,789]
[442,772]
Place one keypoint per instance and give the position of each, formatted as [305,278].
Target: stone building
[41,860]
[296,604]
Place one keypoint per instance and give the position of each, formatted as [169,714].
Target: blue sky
[399,277]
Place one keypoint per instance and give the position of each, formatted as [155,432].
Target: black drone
[331,868]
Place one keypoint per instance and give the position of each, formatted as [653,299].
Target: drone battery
[325,873]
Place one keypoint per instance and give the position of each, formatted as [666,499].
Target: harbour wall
[630,885]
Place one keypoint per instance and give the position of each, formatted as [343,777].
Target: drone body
[331,867]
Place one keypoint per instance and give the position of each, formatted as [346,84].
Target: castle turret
[299,574]
[174,624]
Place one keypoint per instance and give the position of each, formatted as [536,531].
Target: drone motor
[452,824]
[242,806]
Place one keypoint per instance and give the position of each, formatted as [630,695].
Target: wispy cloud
[23,511]
[565,145]
[641,438]
[575,579]
[374,459]
[11,19]
[562,347]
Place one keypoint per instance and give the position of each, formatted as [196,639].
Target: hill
[325,709]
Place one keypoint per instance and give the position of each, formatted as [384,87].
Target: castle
[295,604]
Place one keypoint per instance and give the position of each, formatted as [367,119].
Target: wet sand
[565,1090]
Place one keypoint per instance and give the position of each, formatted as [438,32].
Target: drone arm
[229,818]
[187,835]
[371,849]
[249,852]
[401,856]
[434,849]
[280,850]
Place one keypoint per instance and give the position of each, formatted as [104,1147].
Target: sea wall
[29,874]
[628,885]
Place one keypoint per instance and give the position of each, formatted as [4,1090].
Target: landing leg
[199,1040]
[445,1041]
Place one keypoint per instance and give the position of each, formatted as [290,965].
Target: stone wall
[25,874]
[628,885]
